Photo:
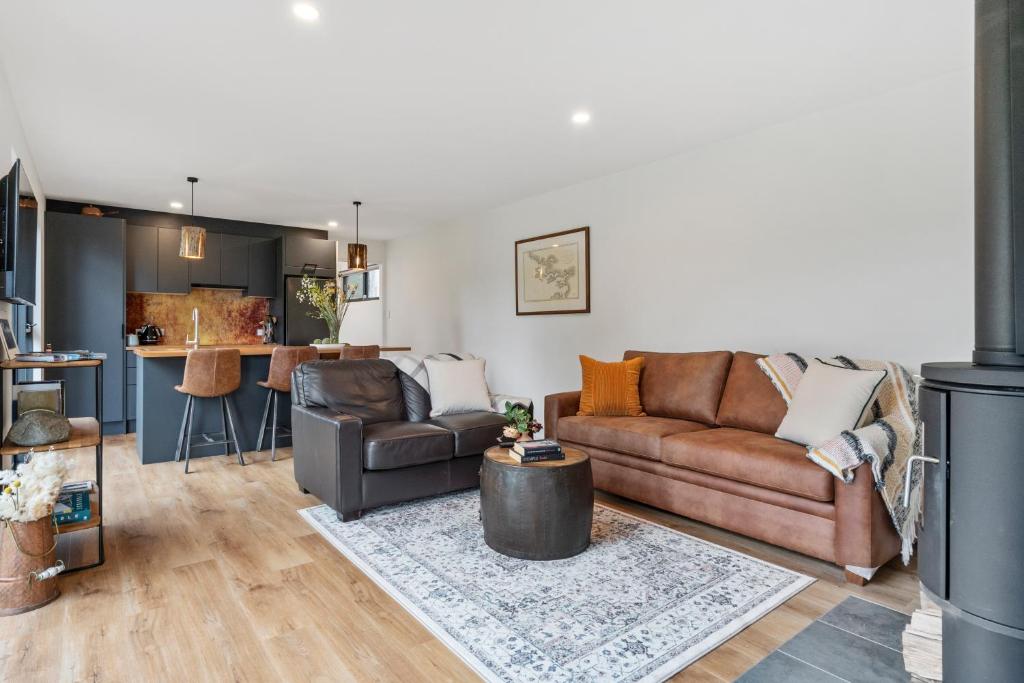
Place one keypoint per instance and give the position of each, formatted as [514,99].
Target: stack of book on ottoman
[536,451]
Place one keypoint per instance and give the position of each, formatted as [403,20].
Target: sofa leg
[854,579]
[350,516]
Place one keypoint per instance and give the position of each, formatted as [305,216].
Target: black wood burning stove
[971,549]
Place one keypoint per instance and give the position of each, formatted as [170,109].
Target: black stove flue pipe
[999,183]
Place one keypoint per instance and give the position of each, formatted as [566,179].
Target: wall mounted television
[18,236]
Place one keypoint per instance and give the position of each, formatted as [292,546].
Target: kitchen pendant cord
[357,220]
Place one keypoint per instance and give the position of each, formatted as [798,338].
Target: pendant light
[193,237]
[357,251]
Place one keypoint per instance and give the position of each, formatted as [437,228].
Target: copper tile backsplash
[225,316]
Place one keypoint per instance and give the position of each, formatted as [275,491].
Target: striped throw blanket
[886,435]
[412,364]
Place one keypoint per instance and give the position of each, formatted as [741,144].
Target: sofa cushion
[828,401]
[474,432]
[611,389]
[640,436]
[750,457]
[685,386]
[749,400]
[367,389]
[417,399]
[457,387]
[391,445]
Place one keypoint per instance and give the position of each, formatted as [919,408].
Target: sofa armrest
[556,406]
[327,449]
[865,535]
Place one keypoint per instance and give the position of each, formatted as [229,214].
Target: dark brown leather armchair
[363,437]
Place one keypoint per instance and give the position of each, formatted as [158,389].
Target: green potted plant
[521,425]
[328,304]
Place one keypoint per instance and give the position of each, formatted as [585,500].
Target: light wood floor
[214,577]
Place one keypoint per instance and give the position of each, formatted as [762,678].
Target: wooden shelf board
[23,365]
[91,523]
[85,432]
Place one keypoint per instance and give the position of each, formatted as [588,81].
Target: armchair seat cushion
[751,458]
[392,445]
[639,436]
[474,432]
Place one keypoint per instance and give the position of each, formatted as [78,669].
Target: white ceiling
[428,110]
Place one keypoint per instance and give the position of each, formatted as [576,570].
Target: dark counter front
[159,408]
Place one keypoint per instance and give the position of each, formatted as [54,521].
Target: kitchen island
[159,408]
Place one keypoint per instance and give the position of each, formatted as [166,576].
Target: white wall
[12,147]
[847,231]
[364,322]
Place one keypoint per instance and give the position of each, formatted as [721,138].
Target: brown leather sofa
[362,437]
[706,450]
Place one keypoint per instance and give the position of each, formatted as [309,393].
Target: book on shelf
[58,356]
[73,503]
[74,486]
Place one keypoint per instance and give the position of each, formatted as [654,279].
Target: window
[363,286]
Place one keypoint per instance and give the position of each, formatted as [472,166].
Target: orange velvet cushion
[611,389]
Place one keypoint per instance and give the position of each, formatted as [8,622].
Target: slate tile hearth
[856,641]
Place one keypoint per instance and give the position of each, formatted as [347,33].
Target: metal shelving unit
[85,432]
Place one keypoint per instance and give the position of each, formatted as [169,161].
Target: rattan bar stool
[283,360]
[210,373]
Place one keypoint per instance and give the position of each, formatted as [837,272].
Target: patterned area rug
[639,605]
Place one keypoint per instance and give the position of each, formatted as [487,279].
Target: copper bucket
[28,551]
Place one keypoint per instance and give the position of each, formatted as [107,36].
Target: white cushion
[827,401]
[457,386]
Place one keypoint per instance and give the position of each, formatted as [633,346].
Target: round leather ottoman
[536,511]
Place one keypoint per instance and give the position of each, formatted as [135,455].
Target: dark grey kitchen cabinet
[151,260]
[141,257]
[172,270]
[206,271]
[263,273]
[309,255]
[84,267]
[234,261]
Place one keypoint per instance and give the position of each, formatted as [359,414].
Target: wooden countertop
[171,351]
[180,351]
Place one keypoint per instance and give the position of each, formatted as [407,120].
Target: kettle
[150,334]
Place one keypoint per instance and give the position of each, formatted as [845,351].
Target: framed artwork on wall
[8,341]
[553,273]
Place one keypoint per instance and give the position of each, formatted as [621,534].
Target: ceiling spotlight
[177,205]
[581,118]
[305,11]
[332,224]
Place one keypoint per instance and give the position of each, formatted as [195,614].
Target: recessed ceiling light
[305,11]
[177,205]
[581,118]
[332,224]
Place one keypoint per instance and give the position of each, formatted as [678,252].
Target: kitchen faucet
[195,329]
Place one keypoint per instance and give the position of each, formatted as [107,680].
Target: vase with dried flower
[27,544]
[328,304]
[521,425]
